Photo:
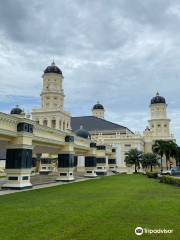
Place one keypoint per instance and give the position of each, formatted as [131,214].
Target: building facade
[52,114]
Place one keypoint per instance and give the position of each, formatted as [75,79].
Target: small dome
[53,69]
[82,133]
[17,110]
[158,99]
[98,106]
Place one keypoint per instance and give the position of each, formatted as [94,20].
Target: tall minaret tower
[52,96]
[51,113]
[159,123]
[98,110]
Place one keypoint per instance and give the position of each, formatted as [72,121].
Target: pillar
[101,160]
[90,162]
[75,162]
[19,159]
[66,161]
[112,161]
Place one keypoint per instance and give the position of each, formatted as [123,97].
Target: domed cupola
[98,106]
[17,110]
[53,69]
[158,99]
[98,110]
[82,133]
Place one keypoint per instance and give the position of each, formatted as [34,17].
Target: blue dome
[17,110]
[53,69]
[158,99]
[98,106]
[82,133]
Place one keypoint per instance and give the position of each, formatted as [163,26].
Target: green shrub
[170,180]
[152,174]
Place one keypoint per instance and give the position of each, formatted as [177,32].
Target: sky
[118,52]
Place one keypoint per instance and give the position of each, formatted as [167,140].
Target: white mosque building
[52,114]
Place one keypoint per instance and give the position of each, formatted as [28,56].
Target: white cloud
[119,52]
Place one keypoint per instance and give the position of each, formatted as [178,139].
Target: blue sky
[118,52]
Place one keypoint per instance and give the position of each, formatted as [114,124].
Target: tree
[159,148]
[167,148]
[170,151]
[176,155]
[134,157]
[149,160]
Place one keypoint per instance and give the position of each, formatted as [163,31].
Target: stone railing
[81,142]
[8,124]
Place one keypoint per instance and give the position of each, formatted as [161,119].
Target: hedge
[170,180]
[152,174]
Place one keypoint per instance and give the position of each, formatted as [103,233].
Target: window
[45,122]
[152,125]
[12,178]
[127,145]
[165,125]
[63,174]
[25,178]
[53,123]
[159,125]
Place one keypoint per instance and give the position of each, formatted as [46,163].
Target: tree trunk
[161,165]
[135,169]
[151,167]
[167,160]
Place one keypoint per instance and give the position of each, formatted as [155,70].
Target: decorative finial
[157,94]
[98,102]
[53,63]
[17,106]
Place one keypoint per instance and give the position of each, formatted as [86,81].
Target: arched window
[53,123]
[45,122]
[37,121]
[64,125]
[60,124]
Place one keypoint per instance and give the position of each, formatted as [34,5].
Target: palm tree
[170,150]
[159,148]
[176,154]
[134,157]
[149,159]
[167,151]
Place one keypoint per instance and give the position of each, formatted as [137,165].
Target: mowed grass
[103,209]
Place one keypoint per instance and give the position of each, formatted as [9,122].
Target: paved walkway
[46,185]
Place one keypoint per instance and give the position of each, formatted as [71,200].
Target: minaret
[52,95]
[51,113]
[98,110]
[159,123]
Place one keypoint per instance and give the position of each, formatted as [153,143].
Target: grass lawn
[103,209]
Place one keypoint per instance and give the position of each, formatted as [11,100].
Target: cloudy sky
[120,52]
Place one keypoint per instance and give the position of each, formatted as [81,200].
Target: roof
[53,69]
[16,110]
[158,99]
[82,133]
[98,106]
[91,123]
